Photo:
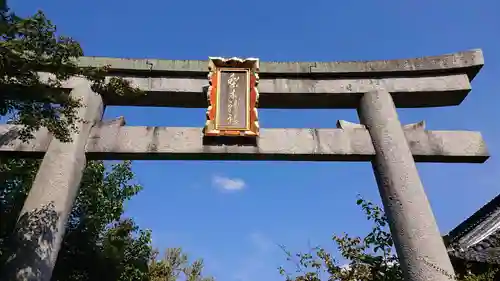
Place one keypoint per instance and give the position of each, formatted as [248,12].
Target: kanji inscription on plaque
[232,98]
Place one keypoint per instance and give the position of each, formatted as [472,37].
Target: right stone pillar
[419,245]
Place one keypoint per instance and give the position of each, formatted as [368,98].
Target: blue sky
[235,231]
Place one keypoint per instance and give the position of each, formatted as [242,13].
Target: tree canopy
[31,46]
[369,258]
[99,243]
[174,266]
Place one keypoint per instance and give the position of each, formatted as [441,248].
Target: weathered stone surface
[41,224]
[420,82]
[346,125]
[392,148]
[462,62]
[171,143]
[299,93]
[36,148]
[420,248]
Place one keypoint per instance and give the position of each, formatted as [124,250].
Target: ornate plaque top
[232,97]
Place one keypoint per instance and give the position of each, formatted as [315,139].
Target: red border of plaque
[214,126]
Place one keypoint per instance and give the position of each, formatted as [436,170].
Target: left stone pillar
[41,224]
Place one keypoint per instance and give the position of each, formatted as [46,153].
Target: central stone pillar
[41,224]
[418,243]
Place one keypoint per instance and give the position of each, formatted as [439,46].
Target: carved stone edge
[218,62]
[415,126]
[346,125]
[252,63]
[120,121]
[467,61]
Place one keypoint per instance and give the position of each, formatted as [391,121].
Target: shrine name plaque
[232,98]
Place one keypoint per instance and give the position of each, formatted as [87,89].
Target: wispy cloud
[262,243]
[257,261]
[229,184]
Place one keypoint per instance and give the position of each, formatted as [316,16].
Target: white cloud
[229,184]
[262,243]
[256,263]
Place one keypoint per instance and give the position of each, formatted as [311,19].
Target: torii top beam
[420,82]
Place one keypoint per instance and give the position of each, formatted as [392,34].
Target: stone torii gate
[374,88]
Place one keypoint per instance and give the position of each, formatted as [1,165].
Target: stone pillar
[418,243]
[41,224]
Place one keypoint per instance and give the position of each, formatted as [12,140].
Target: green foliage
[174,266]
[29,46]
[16,176]
[124,257]
[99,244]
[105,244]
[371,258]
[110,188]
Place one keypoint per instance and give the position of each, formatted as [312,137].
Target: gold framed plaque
[232,97]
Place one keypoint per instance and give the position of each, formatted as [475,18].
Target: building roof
[477,239]
[486,251]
